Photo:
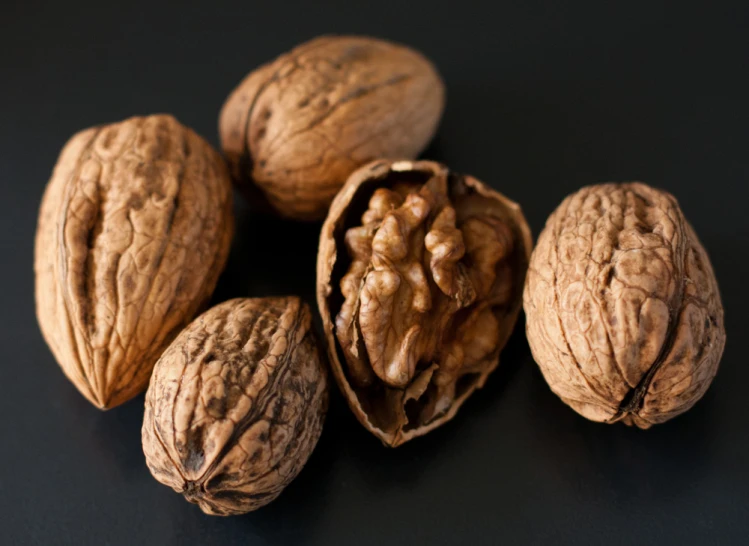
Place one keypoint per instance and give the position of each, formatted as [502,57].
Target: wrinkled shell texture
[300,125]
[134,229]
[236,404]
[420,275]
[623,312]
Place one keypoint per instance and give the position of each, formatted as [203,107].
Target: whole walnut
[236,404]
[134,229]
[623,312]
[419,282]
[298,126]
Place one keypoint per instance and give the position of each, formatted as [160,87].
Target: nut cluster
[421,275]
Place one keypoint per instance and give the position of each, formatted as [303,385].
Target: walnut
[419,282]
[298,126]
[623,312]
[236,404]
[134,229]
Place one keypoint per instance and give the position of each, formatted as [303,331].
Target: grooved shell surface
[134,229]
[623,311]
[419,283]
[298,126]
[236,404]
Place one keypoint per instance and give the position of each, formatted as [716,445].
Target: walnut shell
[623,311]
[419,283]
[236,404]
[134,229]
[301,124]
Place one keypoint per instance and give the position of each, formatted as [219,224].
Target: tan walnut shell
[298,126]
[623,311]
[134,228]
[419,283]
[236,404]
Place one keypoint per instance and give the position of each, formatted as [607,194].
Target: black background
[543,97]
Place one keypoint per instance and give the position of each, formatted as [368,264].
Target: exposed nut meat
[236,404]
[298,126]
[134,229]
[420,274]
[623,311]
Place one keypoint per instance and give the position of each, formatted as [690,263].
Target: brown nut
[236,404]
[623,312]
[134,229]
[419,282]
[298,126]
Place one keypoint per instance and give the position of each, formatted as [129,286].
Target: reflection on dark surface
[597,459]
[541,99]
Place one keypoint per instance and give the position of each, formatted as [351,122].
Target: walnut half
[623,311]
[419,281]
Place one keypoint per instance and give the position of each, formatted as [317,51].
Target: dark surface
[542,98]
